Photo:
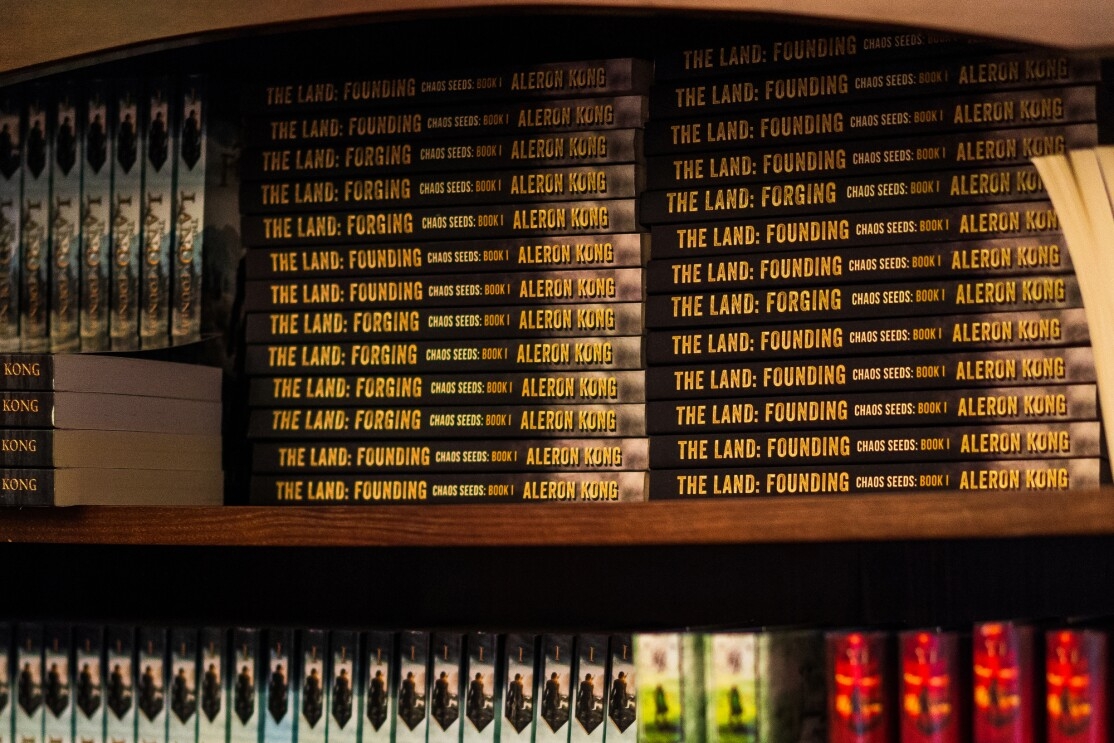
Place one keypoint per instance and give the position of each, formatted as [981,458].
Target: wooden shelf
[73,29]
[742,521]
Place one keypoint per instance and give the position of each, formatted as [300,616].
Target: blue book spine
[380,673]
[157,217]
[65,222]
[11,215]
[88,713]
[96,218]
[181,719]
[35,224]
[127,195]
[189,217]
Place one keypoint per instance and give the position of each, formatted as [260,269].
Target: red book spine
[1076,685]
[1005,692]
[860,688]
[933,705]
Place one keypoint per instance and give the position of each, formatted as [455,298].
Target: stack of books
[857,282]
[86,429]
[444,285]
[102,197]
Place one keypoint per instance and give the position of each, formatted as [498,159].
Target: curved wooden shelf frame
[950,515]
[40,34]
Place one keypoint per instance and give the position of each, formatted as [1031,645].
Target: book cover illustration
[280,708]
[157,216]
[57,684]
[791,693]
[343,692]
[589,702]
[519,688]
[730,686]
[65,222]
[127,196]
[246,692]
[96,219]
[11,215]
[313,696]
[35,224]
[1004,672]
[182,722]
[657,658]
[1076,685]
[555,679]
[151,684]
[119,719]
[412,692]
[446,655]
[479,675]
[380,680]
[28,714]
[6,701]
[934,701]
[213,689]
[189,215]
[622,698]
[860,688]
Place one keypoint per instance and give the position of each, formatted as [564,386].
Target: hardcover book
[623,705]
[380,671]
[127,226]
[657,659]
[280,704]
[153,667]
[120,680]
[215,669]
[589,699]
[445,696]
[34,330]
[58,684]
[412,691]
[479,675]
[182,717]
[157,215]
[313,691]
[29,710]
[554,709]
[97,158]
[245,689]
[518,674]
[344,692]
[11,215]
[187,248]
[66,221]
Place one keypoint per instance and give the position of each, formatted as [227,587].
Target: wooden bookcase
[944,558]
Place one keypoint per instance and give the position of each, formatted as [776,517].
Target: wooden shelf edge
[888,517]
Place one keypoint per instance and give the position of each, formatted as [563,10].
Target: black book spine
[621,181]
[884,444]
[12,135]
[25,486]
[448,223]
[848,301]
[876,409]
[27,447]
[1012,475]
[26,371]
[283,161]
[1070,365]
[859,229]
[843,194]
[503,455]
[600,319]
[366,126]
[479,256]
[496,354]
[569,387]
[886,118]
[611,76]
[842,82]
[26,409]
[947,151]
[1029,255]
[447,290]
[385,490]
[951,333]
[549,421]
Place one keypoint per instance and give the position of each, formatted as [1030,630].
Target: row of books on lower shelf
[991,683]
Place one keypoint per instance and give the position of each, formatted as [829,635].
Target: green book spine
[343,711]
[96,219]
[215,669]
[694,692]
[11,215]
[657,658]
[731,687]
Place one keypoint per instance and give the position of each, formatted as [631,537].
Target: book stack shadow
[857,280]
[85,429]
[443,296]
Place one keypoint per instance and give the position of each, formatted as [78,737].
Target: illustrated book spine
[127,226]
[34,330]
[731,687]
[152,666]
[280,704]
[480,687]
[313,686]
[12,138]
[245,689]
[187,248]
[29,711]
[120,684]
[344,709]
[623,709]
[157,214]
[1007,674]
[1077,684]
[935,686]
[657,659]
[861,687]
[98,157]
[519,683]
[553,712]
[590,686]
[66,221]
[58,683]
[412,691]
[215,669]
[380,666]
[446,653]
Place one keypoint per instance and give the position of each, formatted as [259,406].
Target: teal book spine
[281,704]
[446,654]
[11,215]
[35,224]
[312,691]
[380,672]
[589,701]
[96,218]
[157,215]
[245,690]
[657,658]
[57,685]
[519,677]
[214,669]
[65,221]
[412,691]
[343,710]
[551,724]
[127,195]
[622,693]
[479,680]
[119,696]
[730,686]
[187,251]
[181,722]
[152,668]
[28,714]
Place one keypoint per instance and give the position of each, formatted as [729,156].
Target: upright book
[214,669]
[151,684]
[11,215]
[380,673]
